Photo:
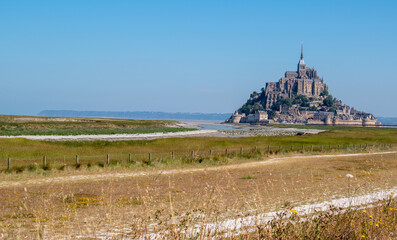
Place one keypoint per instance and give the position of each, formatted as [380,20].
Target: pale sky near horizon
[190,56]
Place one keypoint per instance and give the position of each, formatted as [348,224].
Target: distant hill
[388,120]
[137,115]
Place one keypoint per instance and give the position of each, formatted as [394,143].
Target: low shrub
[248,177]
[47,167]
[32,167]
[18,169]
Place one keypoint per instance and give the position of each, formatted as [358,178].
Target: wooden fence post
[226,152]
[9,163]
[107,159]
[210,153]
[44,161]
[129,157]
[172,155]
[77,159]
[193,154]
[150,156]
[241,151]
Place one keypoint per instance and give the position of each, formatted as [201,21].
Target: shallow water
[219,127]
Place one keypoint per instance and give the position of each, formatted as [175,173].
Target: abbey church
[304,81]
[299,97]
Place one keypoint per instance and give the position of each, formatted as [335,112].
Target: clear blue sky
[190,56]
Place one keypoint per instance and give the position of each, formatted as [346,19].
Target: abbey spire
[302,65]
[302,51]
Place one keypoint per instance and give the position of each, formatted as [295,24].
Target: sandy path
[104,176]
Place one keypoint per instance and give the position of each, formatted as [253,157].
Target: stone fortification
[299,96]
[257,117]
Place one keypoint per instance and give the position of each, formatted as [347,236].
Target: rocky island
[300,97]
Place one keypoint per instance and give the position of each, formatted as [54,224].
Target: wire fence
[150,158]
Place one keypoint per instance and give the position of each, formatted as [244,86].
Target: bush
[62,168]
[101,165]
[302,100]
[324,93]
[18,169]
[32,167]
[248,177]
[312,108]
[329,101]
[147,162]
[246,109]
[47,167]
[285,102]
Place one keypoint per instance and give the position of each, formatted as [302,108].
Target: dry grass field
[172,203]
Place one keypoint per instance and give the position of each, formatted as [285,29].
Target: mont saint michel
[302,97]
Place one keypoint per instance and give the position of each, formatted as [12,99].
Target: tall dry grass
[183,204]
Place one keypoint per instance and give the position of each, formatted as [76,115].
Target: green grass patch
[248,177]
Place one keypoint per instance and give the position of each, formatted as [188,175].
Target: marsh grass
[29,125]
